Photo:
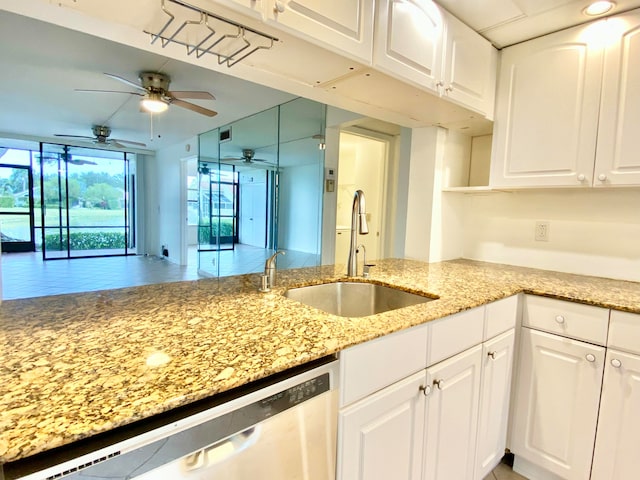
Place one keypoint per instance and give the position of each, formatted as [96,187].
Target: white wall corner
[426,144]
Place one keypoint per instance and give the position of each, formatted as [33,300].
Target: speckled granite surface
[75,365]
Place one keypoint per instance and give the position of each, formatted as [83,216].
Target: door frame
[29,246]
[184,213]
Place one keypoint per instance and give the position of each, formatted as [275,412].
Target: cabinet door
[470,67]
[495,390]
[345,26]
[556,403]
[452,417]
[547,112]
[381,437]
[408,41]
[617,159]
[616,453]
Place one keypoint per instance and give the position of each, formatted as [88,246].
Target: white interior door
[252,216]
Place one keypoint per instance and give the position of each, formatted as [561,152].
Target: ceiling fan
[156,96]
[247,158]
[101,137]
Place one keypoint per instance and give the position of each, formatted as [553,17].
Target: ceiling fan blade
[80,162]
[124,80]
[73,136]
[193,107]
[119,140]
[192,95]
[83,90]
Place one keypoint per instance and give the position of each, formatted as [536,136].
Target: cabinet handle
[616,363]
[560,319]
[492,355]
[439,383]
[278,7]
[581,177]
[449,89]
[590,357]
[602,177]
[425,389]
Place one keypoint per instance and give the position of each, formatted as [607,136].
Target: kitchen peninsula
[77,365]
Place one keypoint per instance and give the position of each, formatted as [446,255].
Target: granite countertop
[72,366]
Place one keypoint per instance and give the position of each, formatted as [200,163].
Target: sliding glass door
[87,210]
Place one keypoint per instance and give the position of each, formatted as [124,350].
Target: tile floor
[26,275]
[504,472]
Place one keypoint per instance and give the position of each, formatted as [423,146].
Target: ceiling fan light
[598,8]
[153,103]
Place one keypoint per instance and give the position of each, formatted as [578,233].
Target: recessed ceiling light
[598,8]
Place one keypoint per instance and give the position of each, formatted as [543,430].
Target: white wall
[592,232]
[162,198]
[299,228]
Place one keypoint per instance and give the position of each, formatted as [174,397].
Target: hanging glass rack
[208,33]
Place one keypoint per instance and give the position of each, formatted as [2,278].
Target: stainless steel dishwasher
[283,431]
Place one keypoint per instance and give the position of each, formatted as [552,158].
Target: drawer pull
[560,319]
[616,363]
[590,357]
[425,389]
[492,355]
[439,384]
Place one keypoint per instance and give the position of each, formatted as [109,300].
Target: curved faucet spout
[359,215]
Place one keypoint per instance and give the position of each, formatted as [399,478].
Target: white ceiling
[506,22]
[43,64]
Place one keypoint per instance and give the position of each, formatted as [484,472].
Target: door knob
[278,7]
[439,383]
[581,177]
[602,177]
[616,363]
[492,355]
[560,319]
[590,357]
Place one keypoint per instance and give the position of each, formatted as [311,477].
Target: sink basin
[354,299]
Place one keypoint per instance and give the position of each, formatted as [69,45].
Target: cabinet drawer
[574,320]
[371,366]
[624,331]
[500,316]
[451,335]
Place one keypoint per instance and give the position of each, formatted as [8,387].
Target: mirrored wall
[260,184]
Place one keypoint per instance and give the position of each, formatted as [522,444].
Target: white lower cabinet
[381,436]
[452,416]
[425,425]
[556,405]
[616,453]
[495,390]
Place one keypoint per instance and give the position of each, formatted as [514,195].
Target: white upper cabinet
[408,41]
[617,159]
[567,108]
[417,41]
[345,26]
[547,112]
[470,67]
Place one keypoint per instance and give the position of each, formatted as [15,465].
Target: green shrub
[7,201]
[86,241]
[226,230]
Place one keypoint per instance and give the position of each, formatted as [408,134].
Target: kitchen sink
[355,299]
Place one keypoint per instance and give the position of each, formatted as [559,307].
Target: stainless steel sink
[354,299]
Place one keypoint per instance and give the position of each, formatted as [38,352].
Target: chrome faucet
[359,215]
[268,278]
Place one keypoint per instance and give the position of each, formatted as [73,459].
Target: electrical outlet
[542,231]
